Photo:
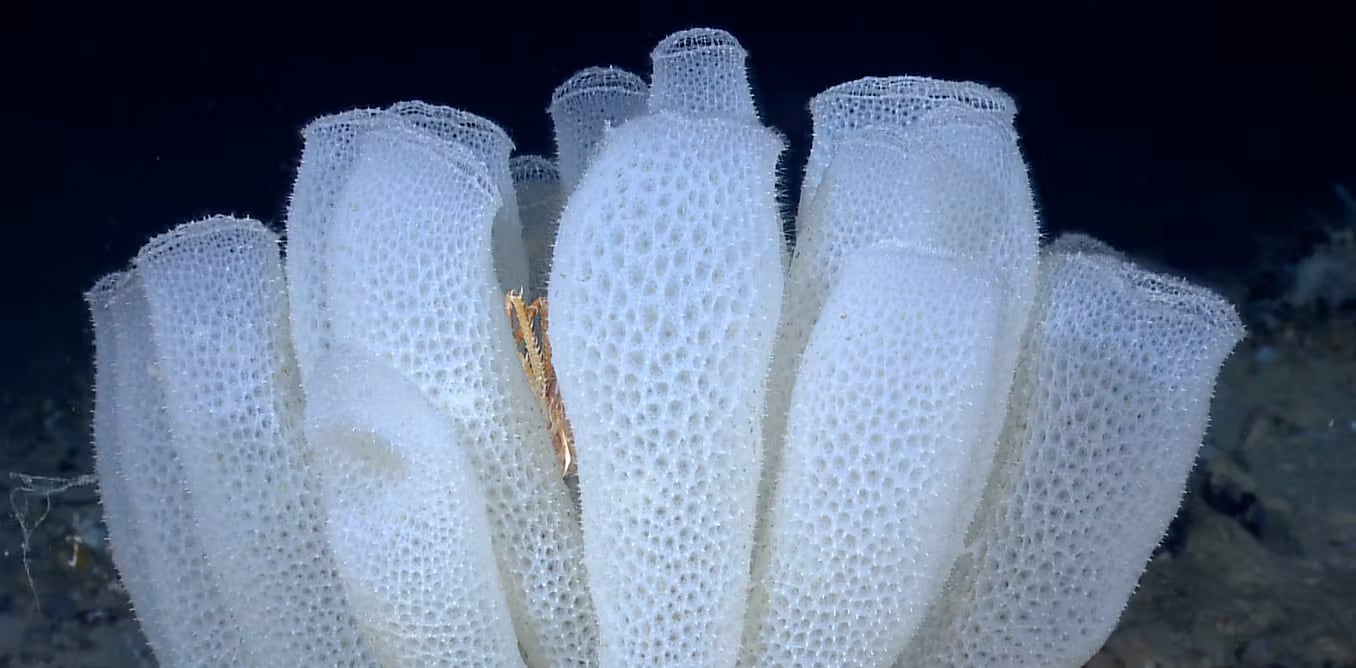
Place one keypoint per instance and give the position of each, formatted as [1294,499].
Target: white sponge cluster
[915,439]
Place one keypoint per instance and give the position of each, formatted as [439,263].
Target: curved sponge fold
[406,519]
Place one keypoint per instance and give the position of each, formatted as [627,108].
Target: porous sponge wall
[407,520]
[412,282]
[881,435]
[218,315]
[584,107]
[1111,398]
[924,163]
[665,292]
[156,547]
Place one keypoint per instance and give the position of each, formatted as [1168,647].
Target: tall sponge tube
[665,293]
[411,283]
[156,545]
[882,432]
[217,305]
[1110,405]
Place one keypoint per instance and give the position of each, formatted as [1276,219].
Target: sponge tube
[584,108]
[412,284]
[952,181]
[883,431]
[1109,407]
[156,546]
[218,316]
[666,288]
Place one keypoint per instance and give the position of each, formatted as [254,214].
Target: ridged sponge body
[665,292]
